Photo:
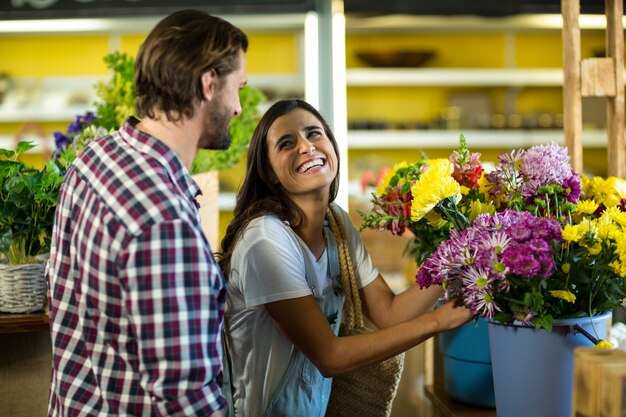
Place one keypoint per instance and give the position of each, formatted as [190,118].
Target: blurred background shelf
[50,99]
[476,139]
[484,77]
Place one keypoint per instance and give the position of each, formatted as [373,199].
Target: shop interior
[397,80]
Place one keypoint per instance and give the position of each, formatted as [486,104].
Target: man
[136,298]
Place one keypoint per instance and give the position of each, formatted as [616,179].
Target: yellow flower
[609,191]
[566,267]
[608,231]
[603,344]
[615,215]
[595,249]
[477,207]
[588,228]
[434,185]
[586,207]
[614,191]
[620,247]
[571,233]
[384,183]
[594,188]
[585,183]
[564,295]
[435,219]
[618,268]
[483,186]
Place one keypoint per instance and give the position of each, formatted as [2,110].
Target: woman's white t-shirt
[267,266]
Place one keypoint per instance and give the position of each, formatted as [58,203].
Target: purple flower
[75,127]
[547,265]
[519,262]
[525,317]
[519,232]
[538,246]
[88,118]
[573,188]
[546,164]
[547,229]
[61,141]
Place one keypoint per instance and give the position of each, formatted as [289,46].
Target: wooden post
[209,206]
[597,77]
[615,104]
[572,101]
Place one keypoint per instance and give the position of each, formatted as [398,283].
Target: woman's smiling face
[302,156]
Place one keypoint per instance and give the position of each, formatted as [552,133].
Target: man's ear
[208,80]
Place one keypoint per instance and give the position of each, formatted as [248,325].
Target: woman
[281,323]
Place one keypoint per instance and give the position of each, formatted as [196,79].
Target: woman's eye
[286,144]
[315,134]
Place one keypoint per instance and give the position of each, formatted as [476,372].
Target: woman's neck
[311,231]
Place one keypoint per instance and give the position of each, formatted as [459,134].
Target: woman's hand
[384,308]
[451,315]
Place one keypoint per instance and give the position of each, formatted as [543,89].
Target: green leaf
[24,146]
[7,153]
[503,317]
[28,199]
[6,236]
[544,322]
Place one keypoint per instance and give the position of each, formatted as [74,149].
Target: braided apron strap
[353,315]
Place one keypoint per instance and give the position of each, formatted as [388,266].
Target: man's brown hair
[179,49]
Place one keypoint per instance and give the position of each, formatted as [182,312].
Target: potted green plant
[28,198]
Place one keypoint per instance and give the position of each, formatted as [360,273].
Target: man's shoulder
[130,182]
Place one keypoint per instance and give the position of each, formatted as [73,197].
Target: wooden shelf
[451,408]
[51,99]
[435,390]
[476,139]
[458,77]
[21,323]
[483,77]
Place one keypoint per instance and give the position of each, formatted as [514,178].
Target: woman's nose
[306,146]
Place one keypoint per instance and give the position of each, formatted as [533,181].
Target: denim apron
[303,391]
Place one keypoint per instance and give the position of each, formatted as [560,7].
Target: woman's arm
[302,321]
[384,308]
[380,304]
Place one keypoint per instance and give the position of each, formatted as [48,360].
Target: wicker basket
[22,287]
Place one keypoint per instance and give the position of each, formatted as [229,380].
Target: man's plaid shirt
[136,298]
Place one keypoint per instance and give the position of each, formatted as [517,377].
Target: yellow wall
[50,55]
[267,53]
[458,50]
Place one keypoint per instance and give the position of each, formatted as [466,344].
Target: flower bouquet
[529,245]
[529,242]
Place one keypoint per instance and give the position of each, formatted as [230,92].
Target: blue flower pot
[533,370]
[467,364]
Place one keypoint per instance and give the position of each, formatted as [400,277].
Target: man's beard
[217,133]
